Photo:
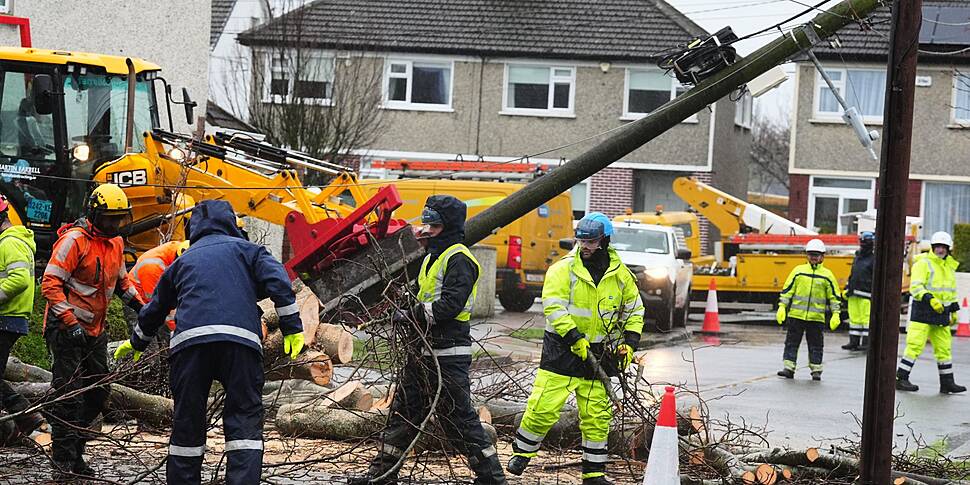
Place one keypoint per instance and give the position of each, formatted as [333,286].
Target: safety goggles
[431,216]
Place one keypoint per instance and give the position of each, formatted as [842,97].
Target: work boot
[600,480]
[517,464]
[786,373]
[817,375]
[947,386]
[488,472]
[62,472]
[853,343]
[863,344]
[902,382]
[30,422]
[81,467]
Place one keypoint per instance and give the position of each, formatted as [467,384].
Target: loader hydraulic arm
[732,215]
[258,179]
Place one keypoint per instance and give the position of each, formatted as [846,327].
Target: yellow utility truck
[524,249]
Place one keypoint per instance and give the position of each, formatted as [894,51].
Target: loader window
[95,106]
[26,149]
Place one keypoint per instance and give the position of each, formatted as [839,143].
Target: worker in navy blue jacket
[215,285]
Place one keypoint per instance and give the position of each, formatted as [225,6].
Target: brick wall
[611,191]
[798,199]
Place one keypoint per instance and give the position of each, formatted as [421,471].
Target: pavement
[735,376]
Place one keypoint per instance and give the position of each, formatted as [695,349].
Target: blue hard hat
[594,226]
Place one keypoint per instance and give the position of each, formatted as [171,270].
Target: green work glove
[580,348]
[782,314]
[124,349]
[293,344]
[835,321]
[625,352]
[936,304]
[954,318]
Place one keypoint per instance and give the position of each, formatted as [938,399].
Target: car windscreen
[639,240]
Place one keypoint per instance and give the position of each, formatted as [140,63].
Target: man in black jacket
[859,292]
[447,284]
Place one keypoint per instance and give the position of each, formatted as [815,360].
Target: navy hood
[452,212]
[213,217]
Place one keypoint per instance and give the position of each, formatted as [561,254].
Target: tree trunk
[335,341]
[309,366]
[18,371]
[154,410]
[352,395]
[298,420]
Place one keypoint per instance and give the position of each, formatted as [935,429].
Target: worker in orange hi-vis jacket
[86,268]
[148,270]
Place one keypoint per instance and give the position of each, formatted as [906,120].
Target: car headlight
[657,273]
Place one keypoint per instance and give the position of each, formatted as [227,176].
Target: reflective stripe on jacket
[933,277]
[447,289]
[83,273]
[809,291]
[573,304]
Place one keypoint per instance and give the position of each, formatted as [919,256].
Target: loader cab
[60,121]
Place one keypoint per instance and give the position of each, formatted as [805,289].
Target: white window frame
[569,112]
[291,79]
[5,6]
[744,111]
[836,116]
[839,193]
[959,122]
[631,116]
[407,104]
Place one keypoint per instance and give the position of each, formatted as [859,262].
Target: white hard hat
[941,237]
[815,246]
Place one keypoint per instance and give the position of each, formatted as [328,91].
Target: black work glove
[76,334]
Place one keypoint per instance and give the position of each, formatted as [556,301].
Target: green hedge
[32,349]
[961,246]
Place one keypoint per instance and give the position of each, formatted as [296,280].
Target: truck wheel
[516,301]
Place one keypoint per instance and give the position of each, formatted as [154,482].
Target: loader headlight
[81,153]
[657,273]
[176,153]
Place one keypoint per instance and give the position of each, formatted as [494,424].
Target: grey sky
[745,17]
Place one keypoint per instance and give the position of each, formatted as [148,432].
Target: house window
[830,199]
[945,204]
[579,195]
[863,88]
[648,89]
[307,78]
[961,98]
[743,111]
[539,90]
[418,85]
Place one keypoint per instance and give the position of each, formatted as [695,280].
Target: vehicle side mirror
[566,244]
[42,90]
[684,254]
[189,106]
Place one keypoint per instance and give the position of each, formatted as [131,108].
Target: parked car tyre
[666,317]
[516,301]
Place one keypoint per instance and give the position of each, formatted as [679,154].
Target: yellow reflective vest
[431,279]
[933,277]
[809,291]
[570,300]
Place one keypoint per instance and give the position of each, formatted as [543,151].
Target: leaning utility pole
[875,465]
[638,133]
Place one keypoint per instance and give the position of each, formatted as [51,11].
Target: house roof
[215,115]
[221,9]
[940,32]
[562,29]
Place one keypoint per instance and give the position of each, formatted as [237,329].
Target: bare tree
[306,98]
[769,155]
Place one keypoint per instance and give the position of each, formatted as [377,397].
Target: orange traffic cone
[712,322]
[663,464]
[963,327]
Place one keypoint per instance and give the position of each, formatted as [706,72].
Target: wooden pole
[638,133]
[878,408]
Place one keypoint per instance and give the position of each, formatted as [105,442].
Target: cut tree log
[484,415]
[299,420]
[309,366]
[17,371]
[351,395]
[32,391]
[153,410]
[385,401]
[766,474]
[335,341]
[309,313]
